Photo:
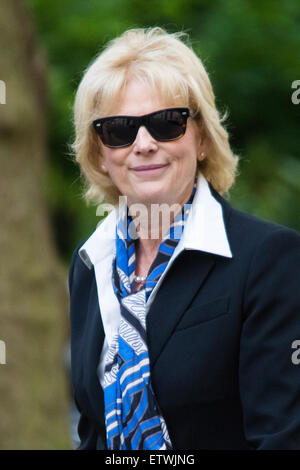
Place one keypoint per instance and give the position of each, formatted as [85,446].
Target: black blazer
[220,339]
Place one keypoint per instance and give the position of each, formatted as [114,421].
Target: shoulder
[242,227]
[246,221]
[260,234]
[257,243]
[270,253]
[249,232]
[79,273]
[81,282]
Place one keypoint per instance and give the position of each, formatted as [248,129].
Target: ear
[201,157]
[102,166]
[202,142]
[202,149]
[101,160]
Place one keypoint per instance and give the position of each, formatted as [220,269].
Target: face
[130,167]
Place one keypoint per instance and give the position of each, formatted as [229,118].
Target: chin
[152,193]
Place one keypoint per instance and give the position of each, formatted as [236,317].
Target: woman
[182,323]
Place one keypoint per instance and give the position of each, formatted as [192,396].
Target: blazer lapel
[185,277]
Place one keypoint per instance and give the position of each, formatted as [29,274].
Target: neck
[146,249]
[151,223]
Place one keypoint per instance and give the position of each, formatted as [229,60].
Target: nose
[144,142]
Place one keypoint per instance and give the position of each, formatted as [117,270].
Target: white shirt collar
[204,230]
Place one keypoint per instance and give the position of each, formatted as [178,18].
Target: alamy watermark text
[296,93]
[2,352]
[2,92]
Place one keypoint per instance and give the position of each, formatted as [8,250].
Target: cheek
[188,157]
[114,158]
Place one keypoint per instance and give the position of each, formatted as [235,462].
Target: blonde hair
[164,61]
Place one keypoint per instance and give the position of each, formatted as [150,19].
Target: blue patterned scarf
[132,415]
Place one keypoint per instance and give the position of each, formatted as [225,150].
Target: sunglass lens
[119,132]
[167,125]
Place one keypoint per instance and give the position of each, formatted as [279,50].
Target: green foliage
[250,50]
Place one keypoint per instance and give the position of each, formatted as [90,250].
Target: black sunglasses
[121,131]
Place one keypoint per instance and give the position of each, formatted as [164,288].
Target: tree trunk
[33,290]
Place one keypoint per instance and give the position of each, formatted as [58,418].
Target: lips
[149,167]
